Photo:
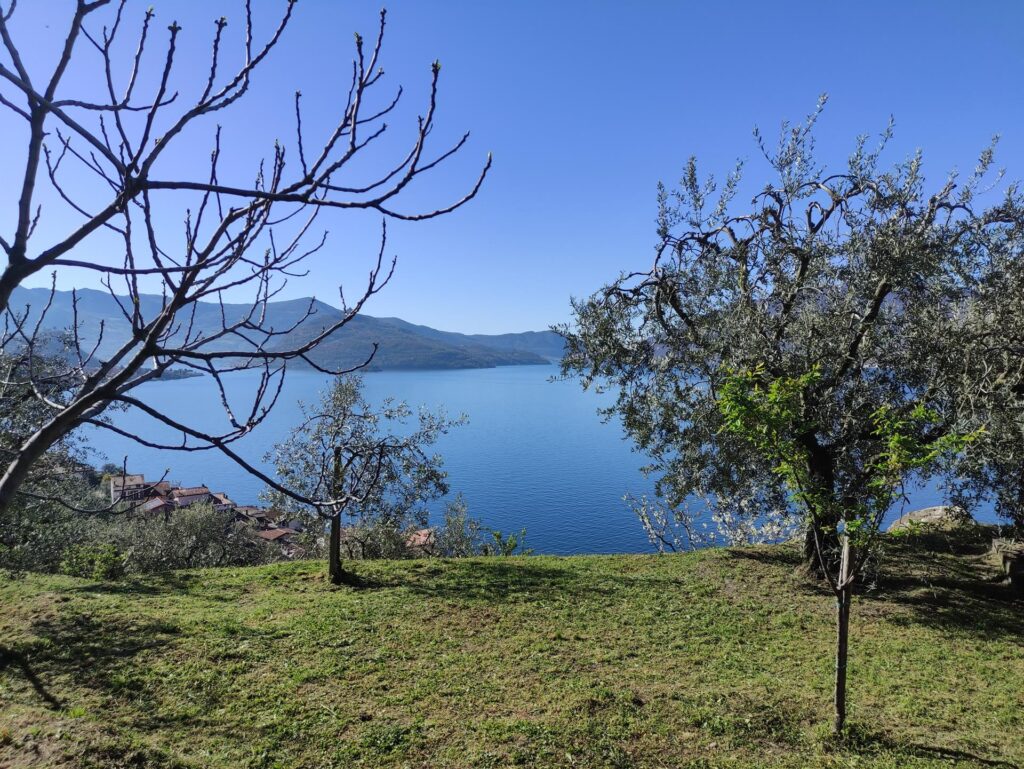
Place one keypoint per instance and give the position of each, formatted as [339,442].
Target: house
[261,517]
[162,488]
[250,514]
[132,487]
[128,487]
[157,505]
[282,537]
[165,497]
[221,501]
[274,535]
[190,495]
[421,541]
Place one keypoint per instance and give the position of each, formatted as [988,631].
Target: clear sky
[586,105]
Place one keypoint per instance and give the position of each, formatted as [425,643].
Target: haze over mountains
[401,345]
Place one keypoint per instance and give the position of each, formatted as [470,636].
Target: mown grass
[714,659]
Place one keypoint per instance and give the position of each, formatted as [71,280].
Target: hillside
[402,345]
[715,659]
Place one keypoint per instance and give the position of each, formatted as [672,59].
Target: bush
[36,537]
[99,562]
[501,544]
[460,535]
[53,539]
[372,538]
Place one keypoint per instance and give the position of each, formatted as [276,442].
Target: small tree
[461,536]
[772,416]
[360,464]
[862,275]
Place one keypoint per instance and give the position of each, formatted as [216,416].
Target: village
[165,497]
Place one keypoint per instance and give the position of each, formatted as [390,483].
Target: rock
[1013,567]
[1003,545]
[1013,564]
[940,515]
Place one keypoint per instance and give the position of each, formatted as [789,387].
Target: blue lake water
[534,454]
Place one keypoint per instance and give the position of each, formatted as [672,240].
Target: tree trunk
[336,573]
[829,549]
[825,522]
[811,549]
[844,595]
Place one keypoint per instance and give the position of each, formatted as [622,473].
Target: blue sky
[586,106]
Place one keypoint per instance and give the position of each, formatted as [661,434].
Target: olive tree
[863,275]
[364,469]
[100,171]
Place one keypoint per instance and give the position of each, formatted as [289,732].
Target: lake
[534,454]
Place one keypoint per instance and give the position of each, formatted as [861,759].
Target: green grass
[720,658]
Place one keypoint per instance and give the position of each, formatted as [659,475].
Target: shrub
[99,562]
[460,535]
[502,544]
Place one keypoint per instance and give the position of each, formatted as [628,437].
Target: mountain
[547,344]
[401,345]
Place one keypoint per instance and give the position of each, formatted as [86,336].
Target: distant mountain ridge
[401,345]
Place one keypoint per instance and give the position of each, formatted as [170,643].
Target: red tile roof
[274,534]
[190,491]
[420,538]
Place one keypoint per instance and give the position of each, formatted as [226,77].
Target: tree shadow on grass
[500,580]
[942,576]
[11,658]
[80,648]
[948,583]
[769,555]
[157,584]
[861,740]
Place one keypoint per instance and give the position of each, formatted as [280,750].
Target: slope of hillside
[544,343]
[401,345]
[716,659]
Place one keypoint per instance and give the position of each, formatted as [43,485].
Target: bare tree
[236,237]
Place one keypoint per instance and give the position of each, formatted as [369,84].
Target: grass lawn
[715,659]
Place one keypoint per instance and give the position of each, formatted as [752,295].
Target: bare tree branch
[239,238]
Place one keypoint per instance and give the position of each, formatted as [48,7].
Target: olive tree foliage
[45,527]
[34,531]
[991,469]
[198,536]
[771,415]
[461,535]
[99,171]
[866,275]
[366,470]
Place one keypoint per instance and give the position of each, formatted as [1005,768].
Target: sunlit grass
[720,658]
